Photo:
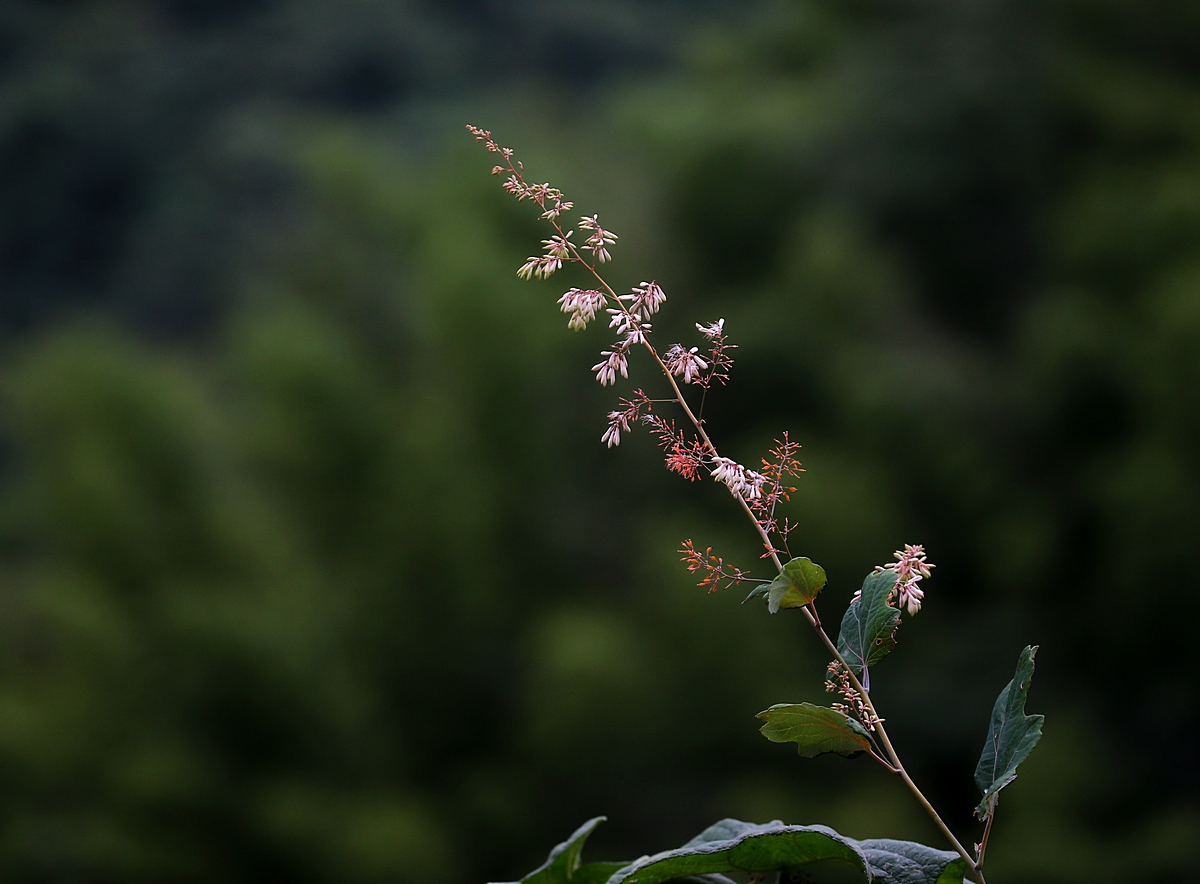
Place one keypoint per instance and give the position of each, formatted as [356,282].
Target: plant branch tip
[869,626]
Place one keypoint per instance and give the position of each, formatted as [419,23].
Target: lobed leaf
[1011,736]
[815,730]
[869,625]
[800,581]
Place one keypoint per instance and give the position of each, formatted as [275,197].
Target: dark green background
[313,567]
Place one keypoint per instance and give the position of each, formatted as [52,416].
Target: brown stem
[892,762]
[987,833]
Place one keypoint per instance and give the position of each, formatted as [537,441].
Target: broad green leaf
[752,848]
[905,862]
[565,866]
[728,829]
[869,625]
[1011,736]
[814,729]
[796,585]
[599,873]
[735,846]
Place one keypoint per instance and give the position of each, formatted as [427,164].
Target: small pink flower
[606,371]
[583,305]
[737,478]
[560,206]
[910,567]
[627,324]
[612,436]
[540,266]
[598,240]
[558,246]
[645,299]
[684,362]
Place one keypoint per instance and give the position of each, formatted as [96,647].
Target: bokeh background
[312,567]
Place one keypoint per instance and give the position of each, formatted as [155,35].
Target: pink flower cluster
[684,363]
[910,567]
[645,299]
[837,678]
[718,353]
[689,453]
[583,305]
[598,239]
[739,480]
[622,419]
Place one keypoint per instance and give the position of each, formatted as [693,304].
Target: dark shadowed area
[312,565]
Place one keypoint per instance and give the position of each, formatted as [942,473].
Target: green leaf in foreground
[796,585]
[906,862]
[565,865]
[1011,736]
[814,729]
[734,846]
[869,625]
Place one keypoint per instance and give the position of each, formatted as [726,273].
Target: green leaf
[564,865]
[905,862]
[869,625]
[735,846]
[814,729]
[597,873]
[726,830]
[1011,736]
[752,848]
[760,590]
[796,585]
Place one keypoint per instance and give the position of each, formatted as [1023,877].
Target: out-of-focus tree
[346,589]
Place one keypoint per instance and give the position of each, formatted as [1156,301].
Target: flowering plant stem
[759,492]
[892,761]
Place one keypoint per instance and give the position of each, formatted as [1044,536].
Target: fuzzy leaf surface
[906,862]
[1011,736]
[815,730]
[796,585]
[752,848]
[735,846]
[869,624]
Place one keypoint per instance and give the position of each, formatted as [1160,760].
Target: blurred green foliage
[313,566]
